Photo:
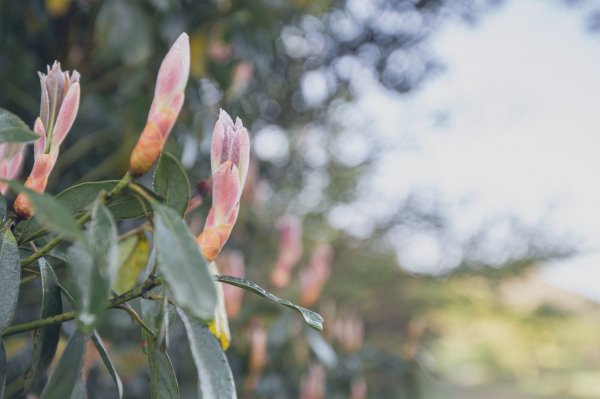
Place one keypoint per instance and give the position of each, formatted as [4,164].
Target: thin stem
[66,316]
[136,317]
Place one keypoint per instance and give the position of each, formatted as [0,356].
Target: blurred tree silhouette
[286,68]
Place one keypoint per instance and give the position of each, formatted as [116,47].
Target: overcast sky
[512,127]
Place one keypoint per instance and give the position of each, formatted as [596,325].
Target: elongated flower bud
[169,95]
[290,250]
[314,277]
[232,265]
[58,109]
[230,156]
[11,162]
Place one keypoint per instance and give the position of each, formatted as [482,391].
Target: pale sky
[521,95]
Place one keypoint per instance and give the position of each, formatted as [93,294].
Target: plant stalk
[114,302]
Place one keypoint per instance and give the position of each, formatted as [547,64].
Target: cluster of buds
[169,95]
[11,162]
[290,250]
[58,109]
[314,277]
[230,156]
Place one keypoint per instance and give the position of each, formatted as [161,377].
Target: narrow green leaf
[171,182]
[215,379]
[45,340]
[161,376]
[68,370]
[77,199]
[14,130]
[10,276]
[93,267]
[313,319]
[50,212]
[97,340]
[80,390]
[183,267]
[2,368]
[133,256]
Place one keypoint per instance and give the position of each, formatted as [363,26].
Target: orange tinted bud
[36,181]
[166,105]
[146,150]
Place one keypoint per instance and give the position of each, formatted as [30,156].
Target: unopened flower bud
[58,109]
[314,277]
[233,265]
[169,95]
[290,250]
[313,385]
[11,162]
[230,155]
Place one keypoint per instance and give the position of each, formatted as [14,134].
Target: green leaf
[184,269]
[171,182]
[50,212]
[97,340]
[133,256]
[313,319]
[215,379]
[161,376]
[10,276]
[2,368]
[14,130]
[45,340]
[68,370]
[78,199]
[94,266]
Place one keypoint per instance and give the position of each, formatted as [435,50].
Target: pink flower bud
[11,162]
[233,265]
[58,109]
[169,95]
[314,277]
[313,385]
[230,156]
[230,143]
[59,105]
[290,250]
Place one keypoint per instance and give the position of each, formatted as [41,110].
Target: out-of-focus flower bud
[233,265]
[258,355]
[240,79]
[349,332]
[169,95]
[58,109]
[230,155]
[11,162]
[313,386]
[314,277]
[290,250]
[219,326]
[358,389]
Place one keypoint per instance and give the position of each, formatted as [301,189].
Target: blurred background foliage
[290,70]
